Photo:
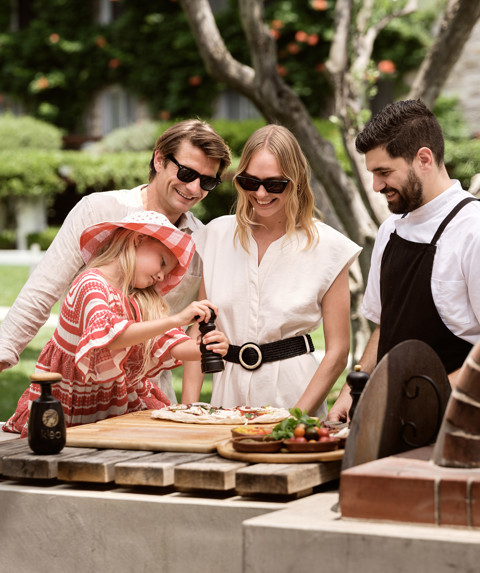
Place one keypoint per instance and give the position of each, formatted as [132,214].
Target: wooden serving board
[226,450]
[139,431]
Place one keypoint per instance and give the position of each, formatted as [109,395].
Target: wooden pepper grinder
[356,381]
[46,423]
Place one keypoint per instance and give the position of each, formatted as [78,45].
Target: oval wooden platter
[225,449]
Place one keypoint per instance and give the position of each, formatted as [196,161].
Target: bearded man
[424,277]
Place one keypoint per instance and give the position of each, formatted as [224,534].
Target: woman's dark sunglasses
[187,175]
[271,185]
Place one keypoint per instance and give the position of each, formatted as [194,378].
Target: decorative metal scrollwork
[413,396]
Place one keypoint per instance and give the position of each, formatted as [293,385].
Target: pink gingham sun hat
[148,223]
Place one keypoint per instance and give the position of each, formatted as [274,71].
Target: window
[108,11]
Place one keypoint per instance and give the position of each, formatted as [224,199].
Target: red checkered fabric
[148,223]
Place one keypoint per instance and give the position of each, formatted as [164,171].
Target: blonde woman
[275,273]
[114,333]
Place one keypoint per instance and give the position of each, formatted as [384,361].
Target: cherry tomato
[311,433]
[299,431]
[323,432]
[300,439]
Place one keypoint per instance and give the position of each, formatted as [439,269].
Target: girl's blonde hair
[121,248]
[300,203]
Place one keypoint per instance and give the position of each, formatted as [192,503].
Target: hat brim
[181,244]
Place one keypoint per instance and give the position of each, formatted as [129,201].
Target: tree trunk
[459,18]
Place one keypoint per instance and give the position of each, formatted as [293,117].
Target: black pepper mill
[46,424]
[356,381]
[211,361]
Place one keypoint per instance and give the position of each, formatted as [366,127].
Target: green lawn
[14,381]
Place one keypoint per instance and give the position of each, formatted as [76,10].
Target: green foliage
[62,57]
[13,382]
[55,63]
[43,238]
[462,159]
[286,427]
[236,133]
[7,239]
[462,154]
[454,127]
[140,136]
[28,132]
[30,174]
[91,172]
[405,40]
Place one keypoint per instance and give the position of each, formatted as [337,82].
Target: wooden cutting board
[139,431]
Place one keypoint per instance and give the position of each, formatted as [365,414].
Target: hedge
[26,132]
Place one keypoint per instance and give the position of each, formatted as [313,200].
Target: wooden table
[203,472]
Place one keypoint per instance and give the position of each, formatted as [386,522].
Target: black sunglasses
[271,185]
[187,175]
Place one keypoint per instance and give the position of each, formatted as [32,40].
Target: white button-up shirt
[456,266]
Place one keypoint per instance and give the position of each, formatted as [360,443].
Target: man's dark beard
[411,198]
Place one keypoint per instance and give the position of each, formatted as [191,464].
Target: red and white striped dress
[97,383]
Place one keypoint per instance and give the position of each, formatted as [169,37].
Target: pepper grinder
[46,423]
[356,381]
[211,361]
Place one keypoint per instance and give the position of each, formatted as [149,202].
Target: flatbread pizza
[202,413]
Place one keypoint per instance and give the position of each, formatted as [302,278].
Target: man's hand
[339,411]
[4,366]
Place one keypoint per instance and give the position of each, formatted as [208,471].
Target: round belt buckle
[255,347]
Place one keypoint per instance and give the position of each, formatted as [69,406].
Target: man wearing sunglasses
[187,163]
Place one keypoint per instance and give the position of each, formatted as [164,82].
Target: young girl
[113,333]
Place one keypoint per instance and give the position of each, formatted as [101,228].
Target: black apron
[408,309]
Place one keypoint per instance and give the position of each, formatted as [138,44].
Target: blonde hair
[300,202]
[121,248]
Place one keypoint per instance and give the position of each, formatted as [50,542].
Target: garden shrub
[30,173]
[43,238]
[140,136]
[89,172]
[7,239]
[26,132]
[462,159]
[236,133]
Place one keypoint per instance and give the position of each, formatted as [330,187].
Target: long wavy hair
[300,203]
[121,248]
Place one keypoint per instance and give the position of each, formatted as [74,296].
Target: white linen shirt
[58,267]
[279,298]
[456,266]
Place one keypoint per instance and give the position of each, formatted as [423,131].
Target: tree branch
[459,18]
[217,59]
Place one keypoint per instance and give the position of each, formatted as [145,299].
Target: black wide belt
[251,356]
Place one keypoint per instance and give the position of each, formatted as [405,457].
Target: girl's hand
[198,310]
[216,341]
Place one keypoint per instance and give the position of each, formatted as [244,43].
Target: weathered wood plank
[284,479]
[98,467]
[213,473]
[12,447]
[155,470]
[29,465]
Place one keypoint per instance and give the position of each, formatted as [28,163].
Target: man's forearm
[368,361]
[45,286]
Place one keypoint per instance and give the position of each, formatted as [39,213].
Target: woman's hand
[216,341]
[198,310]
